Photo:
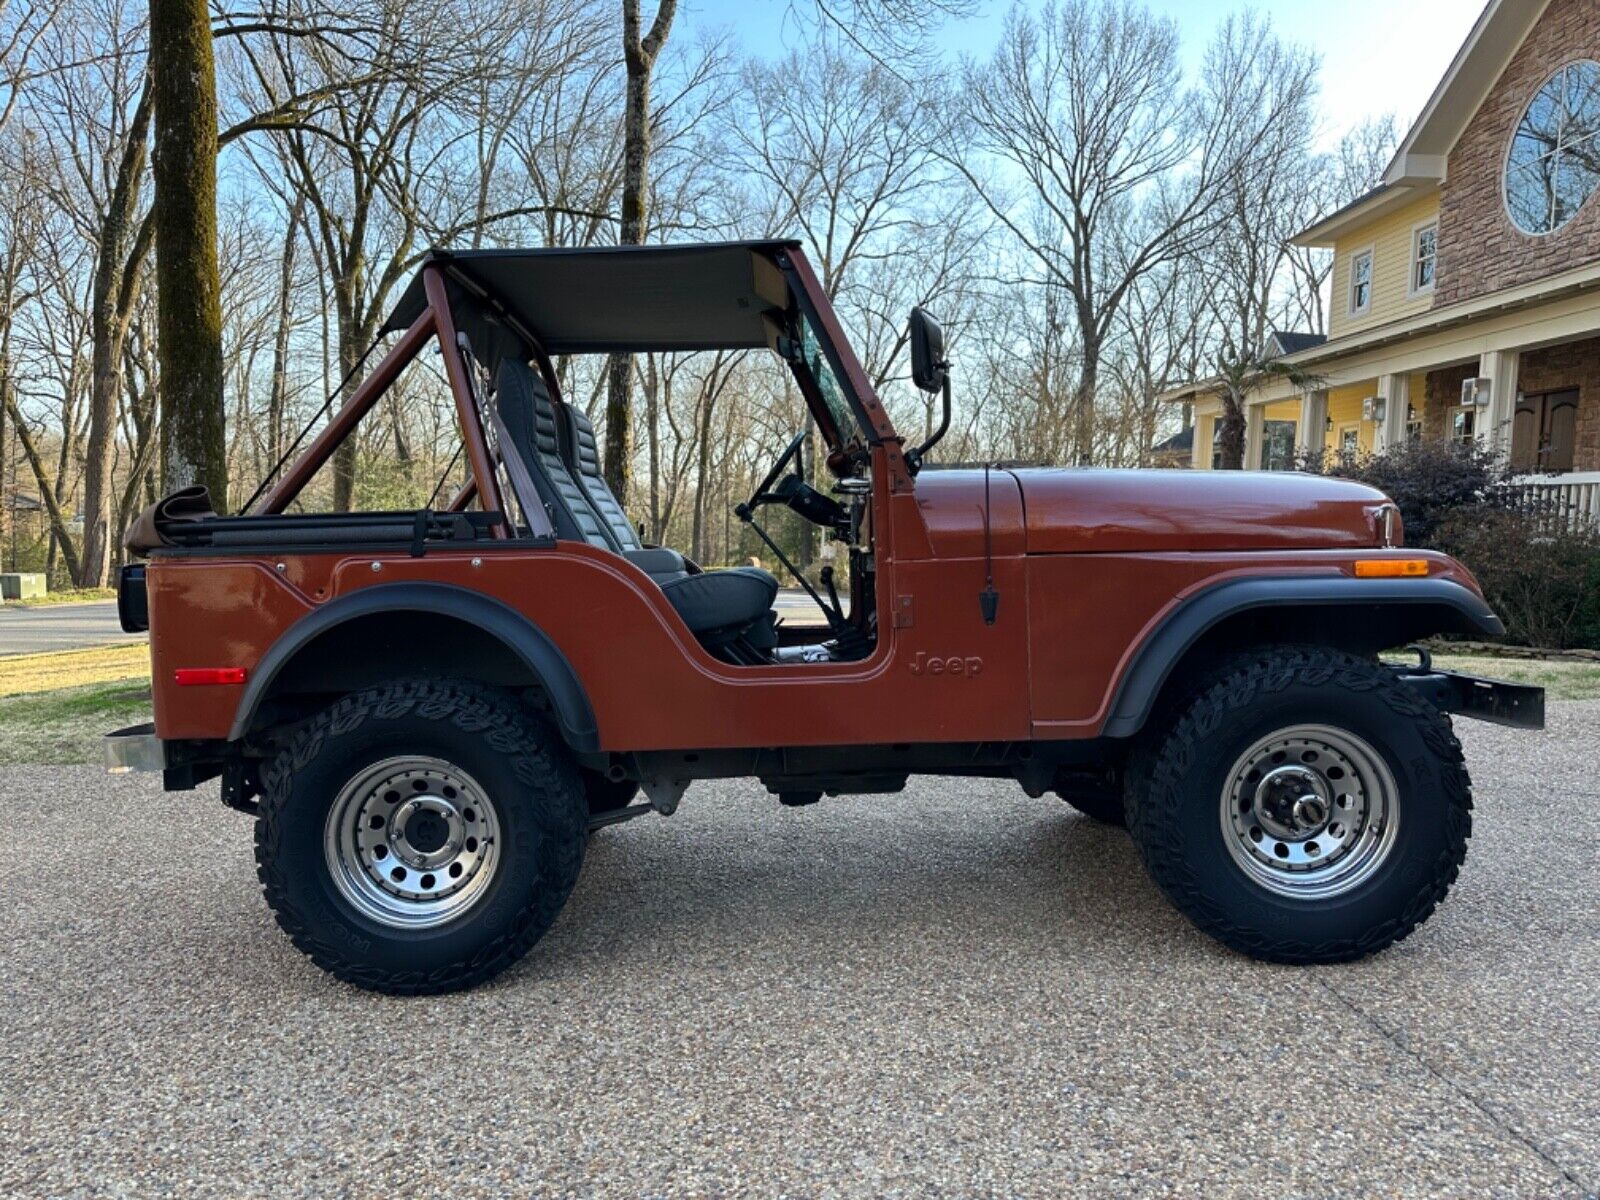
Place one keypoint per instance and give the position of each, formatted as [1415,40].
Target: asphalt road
[75,626]
[952,992]
[59,627]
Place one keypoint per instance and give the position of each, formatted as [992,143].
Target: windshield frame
[869,424]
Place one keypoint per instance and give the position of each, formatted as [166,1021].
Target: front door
[1544,432]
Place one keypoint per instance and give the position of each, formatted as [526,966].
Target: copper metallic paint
[1087,564]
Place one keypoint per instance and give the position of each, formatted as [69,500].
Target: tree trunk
[344,458]
[8,482]
[1083,404]
[652,406]
[702,480]
[58,521]
[278,395]
[1232,433]
[639,56]
[123,245]
[189,306]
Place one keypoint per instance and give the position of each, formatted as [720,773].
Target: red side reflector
[197,676]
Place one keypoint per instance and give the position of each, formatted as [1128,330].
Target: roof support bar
[455,369]
[349,415]
[434,320]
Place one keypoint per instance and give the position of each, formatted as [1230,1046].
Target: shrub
[1429,480]
[1540,576]
[1543,580]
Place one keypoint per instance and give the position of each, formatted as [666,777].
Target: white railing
[1572,499]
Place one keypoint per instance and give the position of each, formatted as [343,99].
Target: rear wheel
[420,837]
[1306,807]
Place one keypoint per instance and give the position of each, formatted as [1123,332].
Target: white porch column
[1312,432]
[1395,392]
[1255,425]
[1200,451]
[1493,420]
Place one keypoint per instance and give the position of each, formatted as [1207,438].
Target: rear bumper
[136,748]
[1515,704]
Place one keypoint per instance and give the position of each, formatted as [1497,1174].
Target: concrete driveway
[952,992]
[60,627]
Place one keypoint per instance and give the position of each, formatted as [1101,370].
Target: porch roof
[1542,291]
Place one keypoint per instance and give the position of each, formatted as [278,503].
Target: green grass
[53,670]
[1561,680]
[65,726]
[66,596]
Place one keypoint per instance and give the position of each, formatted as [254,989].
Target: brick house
[1466,285]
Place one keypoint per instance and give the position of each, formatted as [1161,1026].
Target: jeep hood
[1077,511]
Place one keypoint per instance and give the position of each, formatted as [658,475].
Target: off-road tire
[1174,813]
[520,763]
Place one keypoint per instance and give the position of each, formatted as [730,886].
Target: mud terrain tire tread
[551,789]
[1255,678]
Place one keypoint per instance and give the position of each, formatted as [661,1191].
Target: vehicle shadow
[795,884]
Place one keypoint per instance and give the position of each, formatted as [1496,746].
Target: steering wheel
[793,451]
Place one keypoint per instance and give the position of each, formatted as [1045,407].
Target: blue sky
[1378,55]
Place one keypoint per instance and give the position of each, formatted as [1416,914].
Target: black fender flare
[543,658]
[1182,628]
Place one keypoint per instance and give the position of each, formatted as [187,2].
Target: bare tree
[1335,180]
[1121,166]
[1263,205]
[189,310]
[22,28]
[639,53]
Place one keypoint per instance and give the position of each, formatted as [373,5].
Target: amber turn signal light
[196,676]
[1391,568]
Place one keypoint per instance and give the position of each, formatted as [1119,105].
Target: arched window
[1554,163]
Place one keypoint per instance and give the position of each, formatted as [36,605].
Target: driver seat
[729,611]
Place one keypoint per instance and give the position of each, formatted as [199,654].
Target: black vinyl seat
[580,450]
[722,607]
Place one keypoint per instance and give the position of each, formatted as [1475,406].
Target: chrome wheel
[412,842]
[1310,812]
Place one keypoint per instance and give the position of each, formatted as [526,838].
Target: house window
[1554,162]
[1424,258]
[1349,440]
[1216,444]
[1361,283]
[1277,445]
[1413,424]
[1463,426]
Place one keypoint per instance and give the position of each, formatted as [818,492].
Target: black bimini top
[596,300]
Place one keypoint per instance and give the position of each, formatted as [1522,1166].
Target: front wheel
[1306,807]
[420,837]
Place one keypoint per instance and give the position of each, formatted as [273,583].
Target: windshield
[833,394]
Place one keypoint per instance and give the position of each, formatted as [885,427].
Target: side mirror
[928,366]
[930,372]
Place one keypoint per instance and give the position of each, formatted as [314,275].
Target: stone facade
[1573,365]
[1480,250]
[1442,399]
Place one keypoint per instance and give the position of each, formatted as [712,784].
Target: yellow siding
[1389,238]
[1344,409]
[1282,410]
